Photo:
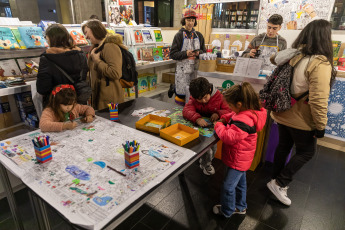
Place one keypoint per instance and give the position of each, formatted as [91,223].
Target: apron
[186,70]
[266,53]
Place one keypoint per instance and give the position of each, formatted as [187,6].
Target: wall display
[7,40]
[120,11]
[9,68]
[147,35]
[32,37]
[336,111]
[296,14]
[92,186]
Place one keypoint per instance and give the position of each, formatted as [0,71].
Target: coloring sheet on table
[77,181]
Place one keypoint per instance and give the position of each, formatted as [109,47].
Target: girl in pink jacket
[63,109]
[238,131]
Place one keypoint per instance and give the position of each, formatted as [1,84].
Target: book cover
[122,33]
[147,36]
[29,66]
[18,38]
[147,54]
[139,51]
[7,40]
[9,69]
[78,36]
[157,54]
[336,48]
[166,52]
[45,24]
[158,35]
[32,37]
[138,37]
[134,53]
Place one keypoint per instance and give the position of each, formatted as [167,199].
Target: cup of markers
[131,154]
[42,149]
[114,111]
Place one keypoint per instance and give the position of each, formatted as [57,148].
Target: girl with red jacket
[238,131]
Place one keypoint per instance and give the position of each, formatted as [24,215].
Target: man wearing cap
[186,47]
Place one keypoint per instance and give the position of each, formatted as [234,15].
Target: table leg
[10,197]
[40,211]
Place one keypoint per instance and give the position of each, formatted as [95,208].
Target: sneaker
[279,192]
[237,211]
[171,90]
[217,210]
[208,170]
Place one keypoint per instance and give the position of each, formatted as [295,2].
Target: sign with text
[248,67]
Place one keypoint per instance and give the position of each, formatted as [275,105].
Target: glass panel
[338,15]
[236,15]
[164,13]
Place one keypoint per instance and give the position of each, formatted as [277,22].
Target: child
[205,100]
[63,109]
[238,130]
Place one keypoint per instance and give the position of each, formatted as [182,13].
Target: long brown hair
[245,94]
[97,28]
[316,39]
[65,96]
[59,36]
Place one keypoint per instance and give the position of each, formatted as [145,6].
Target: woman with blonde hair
[105,63]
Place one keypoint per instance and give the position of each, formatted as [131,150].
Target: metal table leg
[40,211]
[10,197]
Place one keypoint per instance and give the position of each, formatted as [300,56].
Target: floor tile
[314,221]
[135,217]
[141,226]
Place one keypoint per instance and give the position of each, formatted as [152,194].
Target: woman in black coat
[63,53]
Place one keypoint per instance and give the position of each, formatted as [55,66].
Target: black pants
[305,150]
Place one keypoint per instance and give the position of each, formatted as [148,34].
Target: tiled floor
[317,194]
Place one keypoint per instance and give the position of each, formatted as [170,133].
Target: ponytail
[245,94]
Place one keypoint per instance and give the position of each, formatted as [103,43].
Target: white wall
[168,35]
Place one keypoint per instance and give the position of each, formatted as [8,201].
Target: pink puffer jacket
[239,137]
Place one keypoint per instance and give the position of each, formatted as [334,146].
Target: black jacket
[72,62]
[176,53]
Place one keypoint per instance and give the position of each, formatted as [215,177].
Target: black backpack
[129,73]
[275,95]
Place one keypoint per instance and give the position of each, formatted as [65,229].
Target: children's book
[18,38]
[9,69]
[336,48]
[166,52]
[147,54]
[139,52]
[148,38]
[29,66]
[134,53]
[138,37]
[45,24]
[157,54]
[32,37]
[122,33]
[78,36]
[7,40]
[158,35]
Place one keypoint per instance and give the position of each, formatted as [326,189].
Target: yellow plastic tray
[179,134]
[148,122]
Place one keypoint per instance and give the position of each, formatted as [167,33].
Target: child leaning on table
[206,101]
[238,131]
[63,109]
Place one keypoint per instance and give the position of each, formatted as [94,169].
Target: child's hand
[222,120]
[88,119]
[70,125]
[201,122]
[214,117]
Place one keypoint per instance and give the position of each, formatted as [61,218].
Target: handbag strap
[64,73]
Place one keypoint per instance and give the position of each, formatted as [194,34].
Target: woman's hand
[96,57]
[88,119]
[252,52]
[190,53]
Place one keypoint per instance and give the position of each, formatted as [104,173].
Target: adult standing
[63,53]
[105,63]
[305,121]
[186,47]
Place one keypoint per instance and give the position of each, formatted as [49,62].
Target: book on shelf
[157,54]
[7,39]
[29,67]
[166,52]
[147,54]
[158,35]
[32,37]
[18,38]
[78,36]
[9,69]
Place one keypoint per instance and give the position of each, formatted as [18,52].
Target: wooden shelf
[161,88]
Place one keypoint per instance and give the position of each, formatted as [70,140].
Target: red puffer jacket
[194,110]
[239,137]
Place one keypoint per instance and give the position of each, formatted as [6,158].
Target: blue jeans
[234,192]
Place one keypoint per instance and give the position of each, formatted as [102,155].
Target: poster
[296,14]
[120,11]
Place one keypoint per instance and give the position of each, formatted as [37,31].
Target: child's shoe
[237,211]
[279,192]
[208,169]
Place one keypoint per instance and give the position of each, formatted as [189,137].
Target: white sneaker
[279,192]
[208,170]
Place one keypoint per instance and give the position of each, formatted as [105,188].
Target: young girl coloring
[63,109]
[238,131]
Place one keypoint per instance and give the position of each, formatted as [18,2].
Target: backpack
[275,95]
[129,73]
